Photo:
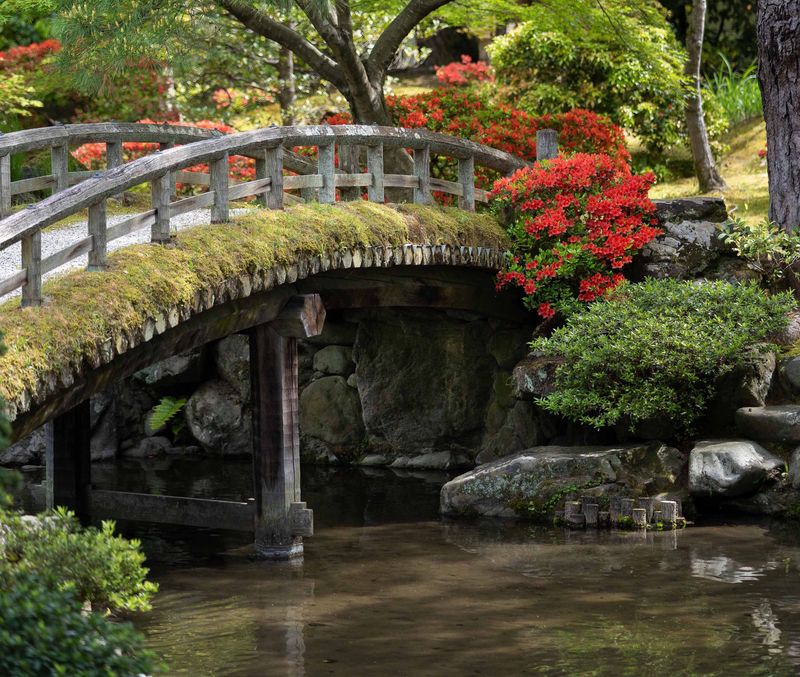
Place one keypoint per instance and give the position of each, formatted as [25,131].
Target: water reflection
[387,588]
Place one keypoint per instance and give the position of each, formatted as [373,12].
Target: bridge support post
[68,460]
[281,520]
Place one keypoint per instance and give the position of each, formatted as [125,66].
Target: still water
[387,588]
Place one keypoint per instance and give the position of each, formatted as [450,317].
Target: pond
[388,588]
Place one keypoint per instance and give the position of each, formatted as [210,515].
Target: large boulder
[728,468]
[794,469]
[219,419]
[232,360]
[103,420]
[528,483]
[28,451]
[519,428]
[330,412]
[334,360]
[425,380]
[184,368]
[535,376]
[774,423]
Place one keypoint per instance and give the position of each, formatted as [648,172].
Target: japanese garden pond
[388,588]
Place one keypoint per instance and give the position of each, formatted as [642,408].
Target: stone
[774,423]
[434,460]
[534,376]
[352,381]
[794,469]
[28,451]
[729,468]
[509,345]
[330,411]
[374,459]
[790,374]
[183,368]
[537,476]
[519,429]
[425,380]
[219,420]
[690,243]
[745,386]
[103,418]
[149,446]
[334,360]
[791,333]
[232,361]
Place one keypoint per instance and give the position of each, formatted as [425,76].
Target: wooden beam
[68,460]
[219,186]
[302,317]
[191,512]
[5,185]
[546,144]
[276,442]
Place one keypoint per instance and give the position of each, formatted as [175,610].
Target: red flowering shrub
[464,72]
[575,223]
[470,114]
[29,57]
[93,155]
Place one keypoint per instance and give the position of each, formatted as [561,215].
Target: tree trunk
[779,76]
[707,175]
[286,91]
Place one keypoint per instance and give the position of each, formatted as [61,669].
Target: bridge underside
[276,514]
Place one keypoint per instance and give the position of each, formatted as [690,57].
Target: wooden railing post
[97,229]
[327,169]
[466,177]
[5,185]
[113,154]
[270,166]
[59,167]
[375,167]
[422,170]
[173,177]
[32,263]
[348,163]
[219,184]
[160,189]
[546,144]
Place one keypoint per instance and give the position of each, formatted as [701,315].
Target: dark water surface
[387,588]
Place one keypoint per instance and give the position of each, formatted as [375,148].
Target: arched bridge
[268,272]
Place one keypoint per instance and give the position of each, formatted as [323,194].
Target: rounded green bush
[656,350]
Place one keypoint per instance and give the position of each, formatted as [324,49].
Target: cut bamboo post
[639,516]
[614,509]
[97,229]
[647,504]
[32,263]
[219,184]
[375,192]
[466,177]
[327,169]
[626,507]
[604,519]
[546,144]
[668,509]
[5,185]
[422,172]
[160,190]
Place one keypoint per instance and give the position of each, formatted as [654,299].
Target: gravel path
[56,239]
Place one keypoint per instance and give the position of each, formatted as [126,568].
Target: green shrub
[45,632]
[767,248]
[656,350]
[631,71]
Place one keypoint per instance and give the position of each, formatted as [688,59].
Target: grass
[82,309]
[737,92]
[742,169]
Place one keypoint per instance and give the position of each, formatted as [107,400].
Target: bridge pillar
[68,460]
[281,519]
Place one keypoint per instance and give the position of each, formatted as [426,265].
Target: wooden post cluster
[623,513]
[546,144]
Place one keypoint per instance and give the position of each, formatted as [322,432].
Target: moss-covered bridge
[269,272]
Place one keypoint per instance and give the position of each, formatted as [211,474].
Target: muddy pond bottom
[387,588]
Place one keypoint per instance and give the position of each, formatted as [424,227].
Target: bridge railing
[270,148]
[60,138]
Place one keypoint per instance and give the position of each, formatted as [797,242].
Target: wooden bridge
[274,306]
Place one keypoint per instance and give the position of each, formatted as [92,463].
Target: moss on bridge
[84,309]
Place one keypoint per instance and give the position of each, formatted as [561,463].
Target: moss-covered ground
[84,309]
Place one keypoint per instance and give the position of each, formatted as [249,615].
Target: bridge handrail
[59,138]
[267,146]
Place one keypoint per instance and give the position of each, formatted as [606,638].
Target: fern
[163,413]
